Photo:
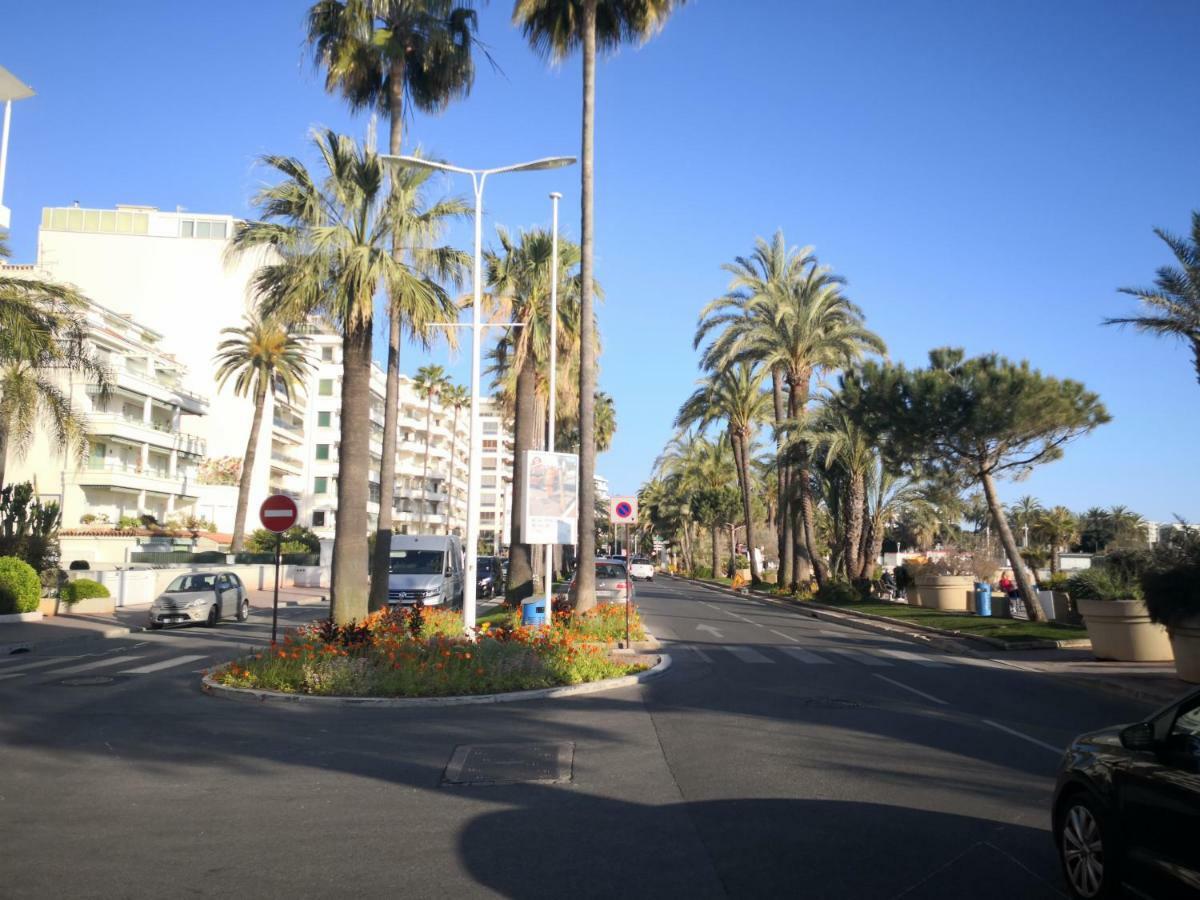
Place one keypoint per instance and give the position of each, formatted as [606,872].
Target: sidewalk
[57,632]
[1149,682]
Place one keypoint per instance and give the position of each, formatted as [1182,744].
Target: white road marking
[915,657]
[98,664]
[714,632]
[804,656]
[700,653]
[8,675]
[864,659]
[1057,751]
[158,666]
[786,637]
[746,654]
[58,660]
[913,689]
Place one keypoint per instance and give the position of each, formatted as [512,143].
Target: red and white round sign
[278,513]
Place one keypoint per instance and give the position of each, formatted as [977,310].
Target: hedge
[82,589]
[20,587]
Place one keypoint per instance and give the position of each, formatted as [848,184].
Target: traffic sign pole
[275,602]
[278,513]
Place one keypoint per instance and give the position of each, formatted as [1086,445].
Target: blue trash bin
[533,612]
[983,599]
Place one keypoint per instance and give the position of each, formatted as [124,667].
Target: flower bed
[422,653]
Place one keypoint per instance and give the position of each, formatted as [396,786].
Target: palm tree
[555,28]
[429,383]
[385,55]
[457,398]
[567,439]
[258,356]
[1057,527]
[1023,514]
[1173,304]
[734,394]
[849,459]
[789,314]
[332,250]
[518,276]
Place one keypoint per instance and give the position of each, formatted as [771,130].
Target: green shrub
[1171,580]
[702,572]
[1104,583]
[82,589]
[838,593]
[20,587]
[1059,581]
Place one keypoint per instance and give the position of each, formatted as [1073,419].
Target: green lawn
[1001,629]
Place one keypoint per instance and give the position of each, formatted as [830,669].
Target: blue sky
[984,174]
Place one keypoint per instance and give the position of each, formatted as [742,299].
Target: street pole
[275,602]
[555,196]
[628,584]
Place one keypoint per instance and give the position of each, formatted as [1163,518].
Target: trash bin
[983,598]
[533,612]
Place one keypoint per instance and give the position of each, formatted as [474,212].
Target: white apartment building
[142,449]
[309,468]
[169,272]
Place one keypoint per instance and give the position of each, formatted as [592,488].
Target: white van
[426,568]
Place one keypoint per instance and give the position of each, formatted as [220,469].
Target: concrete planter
[950,593]
[743,574]
[35,616]
[1185,642]
[92,606]
[1122,630]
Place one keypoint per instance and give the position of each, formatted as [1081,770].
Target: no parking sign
[623,511]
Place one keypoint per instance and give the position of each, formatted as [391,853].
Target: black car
[1127,807]
[490,577]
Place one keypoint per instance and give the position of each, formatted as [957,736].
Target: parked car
[641,567]
[612,582]
[1127,807]
[489,578]
[204,597]
[426,569]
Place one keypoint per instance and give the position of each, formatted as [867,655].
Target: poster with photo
[551,497]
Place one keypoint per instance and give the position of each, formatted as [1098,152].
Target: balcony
[132,477]
[292,431]
[286,463]
[138,431]
[159,387]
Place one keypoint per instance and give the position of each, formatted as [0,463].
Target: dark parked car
[489,577]
[1127,807]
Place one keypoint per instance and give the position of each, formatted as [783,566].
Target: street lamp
[478,178]
[550,412]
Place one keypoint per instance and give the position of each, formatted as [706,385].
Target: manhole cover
[510,763]
[87,681]
[829,703]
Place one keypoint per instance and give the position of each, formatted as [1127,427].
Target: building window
[319,519]
[491,427]
[327,354]
[325,387]
[322,451]
[324,419]
[321,485]
[489,445]
[488,481]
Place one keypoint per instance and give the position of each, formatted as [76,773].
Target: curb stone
[211,688]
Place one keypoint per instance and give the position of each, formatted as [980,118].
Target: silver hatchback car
[204,597]
[612,582]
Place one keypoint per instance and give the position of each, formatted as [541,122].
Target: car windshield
[188,584]
[416,562]
[609,570]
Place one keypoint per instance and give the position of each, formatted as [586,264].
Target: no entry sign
[623,511]
[278,513]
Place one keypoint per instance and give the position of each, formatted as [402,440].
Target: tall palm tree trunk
[525,427]
[855,492]
[349,583]
[243,500]
[387,467]
[1024,582]
[425,466]
[585,582]
[716,551]
[784,513]
[453,457]
[741,457]
[798,403]
[4,455]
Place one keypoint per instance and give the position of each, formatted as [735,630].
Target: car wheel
[244,610]
[214,616]
[1087,849]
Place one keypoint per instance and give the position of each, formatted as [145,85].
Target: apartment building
[429,497]
[143,448]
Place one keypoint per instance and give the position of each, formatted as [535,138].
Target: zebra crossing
[759,654]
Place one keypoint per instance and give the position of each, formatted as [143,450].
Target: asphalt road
[779,756]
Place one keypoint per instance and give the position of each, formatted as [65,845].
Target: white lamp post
[478,178]
[550,419]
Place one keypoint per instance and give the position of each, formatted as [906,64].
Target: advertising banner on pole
[551,513]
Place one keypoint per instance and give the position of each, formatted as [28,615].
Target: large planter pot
[92,606]
[743,575]
[1185,641]
[1122,630]
[951,593]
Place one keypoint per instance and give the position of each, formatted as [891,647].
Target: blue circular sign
[624,510]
